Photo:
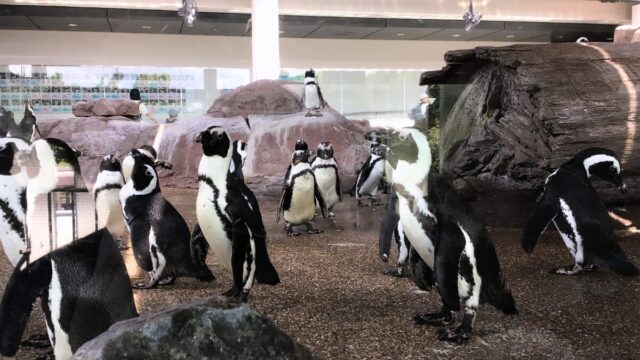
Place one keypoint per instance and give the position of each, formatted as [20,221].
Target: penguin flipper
[286,178]
[338,184]
[319,199]
[22,290]
[421,273]
[239,247]
[545,211]
[199,246]
[446,263]
[285,202]
[320,96]
[389,223]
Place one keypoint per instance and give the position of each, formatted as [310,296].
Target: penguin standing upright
[325,169]
[13,199]
[312,96]
[229,216]
[370,175]
[572,204]
[106,192]
[443,230]
[83,289]
[148,151]
[160,237]
[300,196]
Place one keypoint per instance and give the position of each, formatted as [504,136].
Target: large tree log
[529,108]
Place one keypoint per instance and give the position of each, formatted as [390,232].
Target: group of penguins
[84,286]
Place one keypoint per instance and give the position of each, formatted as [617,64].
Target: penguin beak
[198,138]
[623,188]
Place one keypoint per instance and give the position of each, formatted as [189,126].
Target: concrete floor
[334,299]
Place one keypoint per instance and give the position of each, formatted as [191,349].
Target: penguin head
[7,153]
[143,174]
[310,73]
[215,142]
[602,163]
[300,156]
[149,151]
[110,163]
[408,156]
[325,150]
[241,148]
[301,145]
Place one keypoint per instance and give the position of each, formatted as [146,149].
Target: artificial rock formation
[529,108]
[206,329]
[106,107]
[264,97]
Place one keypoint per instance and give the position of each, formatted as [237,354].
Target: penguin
[13,200]
[444,231]
[325,170]
[28,123]
[312,99]
[83,289]
[148,151]
[572,204]
[370,175]
[230,218]
[300,196]
[106,193]
[160,237]
[392,227]
[198,241]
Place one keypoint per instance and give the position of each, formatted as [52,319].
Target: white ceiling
[499,10]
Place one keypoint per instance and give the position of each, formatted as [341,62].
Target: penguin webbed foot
[574,269]
[308,114]
[311,230]
[361,204]
[290,231]
[39,341]
[393,273]
[144,286]
[169,280]
[236,296]
[461,333]
[442,318]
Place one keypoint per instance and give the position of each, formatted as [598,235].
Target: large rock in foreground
[529,108]
[200,330]
[265,97]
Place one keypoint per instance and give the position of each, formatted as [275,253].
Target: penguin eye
[402,137]
[148,172]
[612,168]
[220,136]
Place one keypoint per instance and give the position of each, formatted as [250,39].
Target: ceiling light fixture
[400,34]
[189,12]
[511,36]
[456,35]
[471,19]
[146,27]
[73,25]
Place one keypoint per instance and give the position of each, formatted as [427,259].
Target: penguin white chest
[415,233]
[326,178]
[109,211]
[370,185]
[12,241]
[311,98]
[303,204]
[58,337]
[212,225]
[572,238]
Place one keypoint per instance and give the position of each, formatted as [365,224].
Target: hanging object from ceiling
[189,12]
[471,18]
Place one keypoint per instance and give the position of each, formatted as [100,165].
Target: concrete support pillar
[635,15]
[265,45]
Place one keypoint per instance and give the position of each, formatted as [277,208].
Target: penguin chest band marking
[415,232]
[326,178]
[303,205]
[311,98]
[213,220]
[572,240]
[468,289]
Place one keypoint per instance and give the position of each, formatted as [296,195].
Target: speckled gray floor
[334,299]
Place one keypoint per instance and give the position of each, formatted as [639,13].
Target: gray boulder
[265,97]
[206,329]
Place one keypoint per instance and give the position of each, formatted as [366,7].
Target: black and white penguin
[370,175]
[443,230]
[160,237]
[148,151]
[572,204]
[325,169]
[229,216]
[106,193]
[312,96]
[13,199]
[83,289]
[300,196]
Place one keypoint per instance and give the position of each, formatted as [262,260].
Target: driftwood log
[529,108]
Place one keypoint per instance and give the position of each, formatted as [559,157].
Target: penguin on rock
[444,231]
[83,288]
[573,205]
[300,196]
[312,96]
[13,199]
[106,192]
[148,151]
[370,175]
[160,237]
[229,216]
[325,170]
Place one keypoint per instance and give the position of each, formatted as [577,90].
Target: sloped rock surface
[106,107]
[265,97]
[530,108]
[206,329]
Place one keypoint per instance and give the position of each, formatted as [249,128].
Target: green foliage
[434,140]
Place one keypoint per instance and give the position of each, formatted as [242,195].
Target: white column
[635,15]
[265,34]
